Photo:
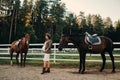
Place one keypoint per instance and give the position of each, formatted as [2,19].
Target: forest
[37,18]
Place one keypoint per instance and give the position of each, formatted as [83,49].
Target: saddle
[92,39]
[18,42]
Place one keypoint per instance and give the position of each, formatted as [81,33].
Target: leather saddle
[18,42]
[92,39]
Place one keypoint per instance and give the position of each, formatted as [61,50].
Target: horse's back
[13,43]
[107,42]
[14,47]
[106,39]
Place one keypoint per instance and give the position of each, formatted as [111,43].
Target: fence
[35,49]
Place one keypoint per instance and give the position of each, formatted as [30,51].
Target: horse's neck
[79,43]
[77,40]
[24,41]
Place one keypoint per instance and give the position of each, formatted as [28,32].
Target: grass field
[65,64]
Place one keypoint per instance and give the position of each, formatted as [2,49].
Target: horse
[21,48]
[83,48]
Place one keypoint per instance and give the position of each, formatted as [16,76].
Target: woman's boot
[43,71]
[48,70]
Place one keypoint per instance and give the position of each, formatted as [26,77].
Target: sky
[106,8]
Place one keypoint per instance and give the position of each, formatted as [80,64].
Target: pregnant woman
[47,50]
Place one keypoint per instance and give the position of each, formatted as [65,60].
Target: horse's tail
[109,44]
[112,47]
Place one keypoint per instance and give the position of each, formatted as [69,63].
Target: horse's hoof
[82,72]
[101,70]
[11,63]
[113,71]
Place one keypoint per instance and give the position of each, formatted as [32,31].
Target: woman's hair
[48,35]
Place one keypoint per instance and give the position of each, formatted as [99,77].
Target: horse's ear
[62,35]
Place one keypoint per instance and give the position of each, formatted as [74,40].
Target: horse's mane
[79,35]
[75,35]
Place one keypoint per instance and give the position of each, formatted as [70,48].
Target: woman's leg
[45,64]
[48,66]
[44,67]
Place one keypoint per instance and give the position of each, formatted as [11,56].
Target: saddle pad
[87,41]
[17,43]
[99,41]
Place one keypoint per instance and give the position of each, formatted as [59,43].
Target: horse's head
[75,39]
[63,41]
[27,37]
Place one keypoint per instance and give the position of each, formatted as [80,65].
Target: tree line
[51,16]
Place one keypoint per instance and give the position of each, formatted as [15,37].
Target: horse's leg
[104,60]
[84,58]
[21,58]
[80,62]
[11,55]
[25,58]
[112,59]
[17,55]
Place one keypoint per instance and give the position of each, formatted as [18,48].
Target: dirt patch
[8,72]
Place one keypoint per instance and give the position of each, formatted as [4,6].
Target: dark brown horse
[79,42]
[21,48]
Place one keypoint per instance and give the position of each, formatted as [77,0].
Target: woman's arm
[48,46]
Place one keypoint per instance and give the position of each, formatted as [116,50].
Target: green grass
[65,64]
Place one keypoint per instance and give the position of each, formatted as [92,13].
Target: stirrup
[90,47]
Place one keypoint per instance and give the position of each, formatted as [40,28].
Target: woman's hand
[45,51]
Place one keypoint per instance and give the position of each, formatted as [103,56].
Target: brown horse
[79,42]
[21,48]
